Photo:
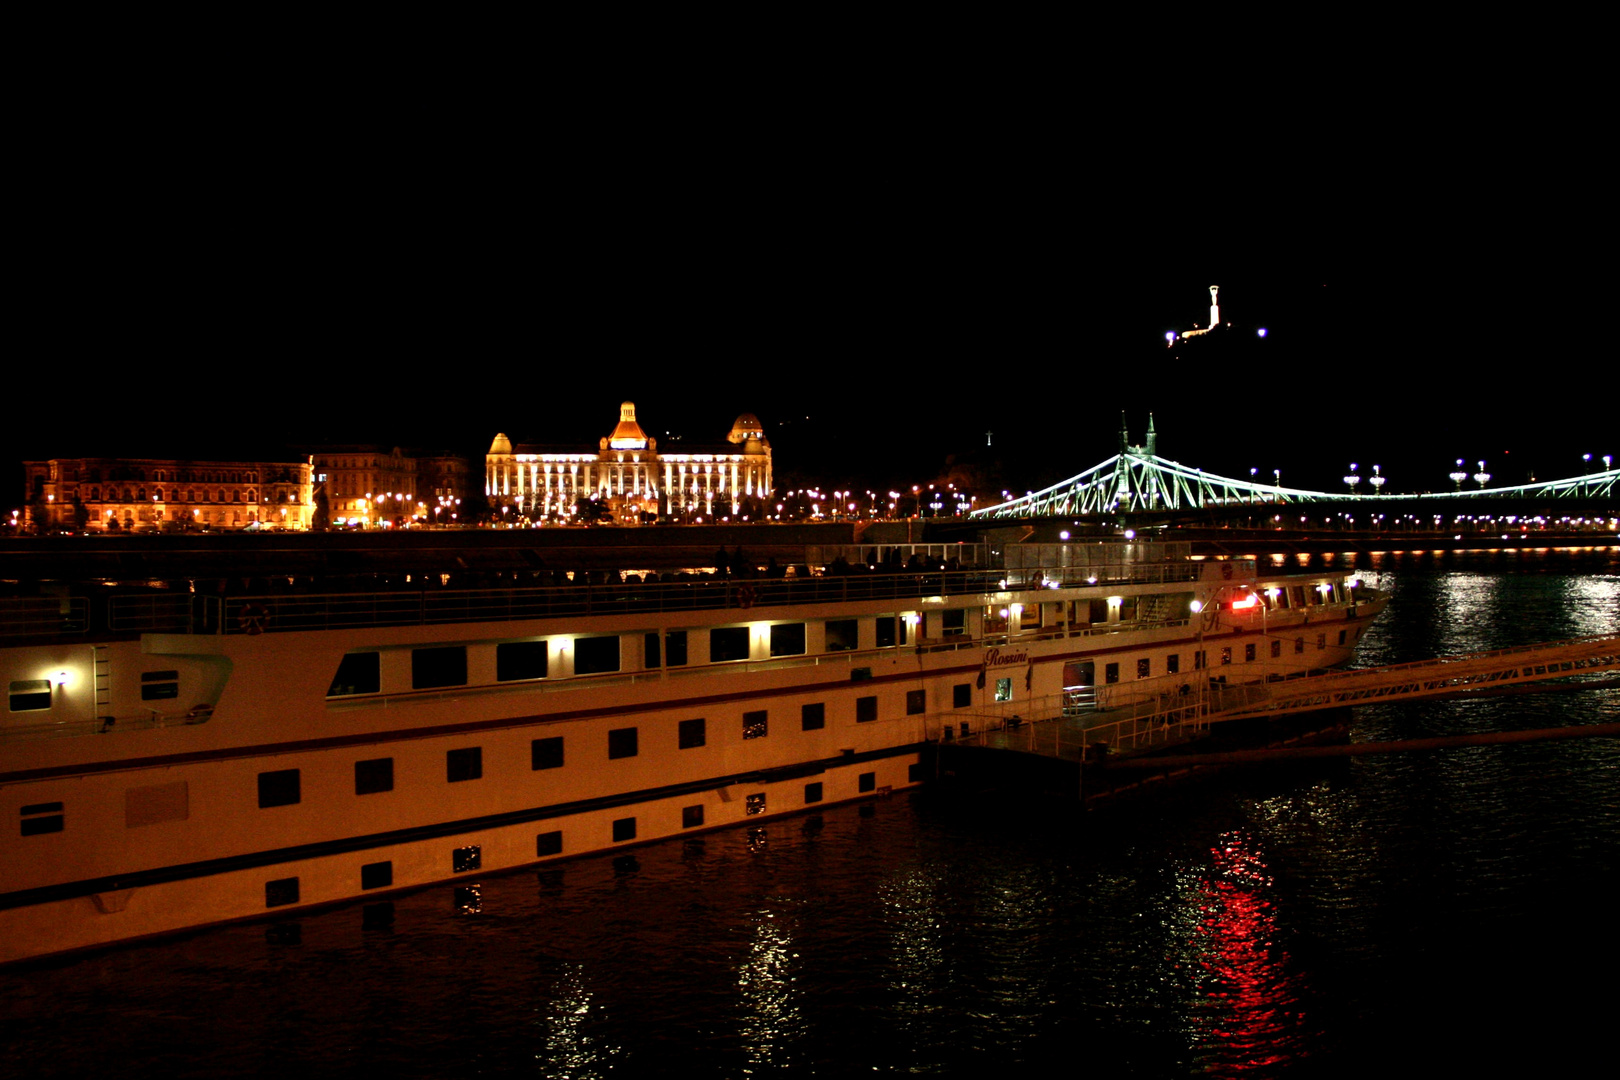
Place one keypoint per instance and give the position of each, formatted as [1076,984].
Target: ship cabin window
[890,632]
[1003,689]
[1226,654]
[280,892]
[812,717]
[596,655]
[691,734]
[40,818]
[516,660]
[374,776]
[754,804]
[30,695]
[691,817]
[1144,668]
[1111,673]
[624,829]
[995,620]
[358,673]
[1200,658]
[1321,641]
[279,788]
[466,763]
[728,643]
[754,724]
[843,635]
[867,781]
[1099,610]
[916,702]
[954,621]
[787,639]
[622,743]
[463,859]
[159,685]
[866,710]
[546,753]
[961,695]
[436,667]
[1299,644]
[377,875]
[548,843]
[1172,664]
[812,792]
[1276,647]
[1127,609]
[650,660]
[1341,638]
[675,648]
[1249,651]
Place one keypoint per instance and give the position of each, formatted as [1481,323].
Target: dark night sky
[878,302]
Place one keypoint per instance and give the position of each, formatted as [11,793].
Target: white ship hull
[242,773]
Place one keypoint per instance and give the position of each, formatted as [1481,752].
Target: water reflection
[1243,1013]
[567,1049]
[771,1022]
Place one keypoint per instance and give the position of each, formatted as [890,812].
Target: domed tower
[628,434]
[746,429]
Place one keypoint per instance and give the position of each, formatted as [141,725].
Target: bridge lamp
[1378,480]
[1351,479]
[1459,474]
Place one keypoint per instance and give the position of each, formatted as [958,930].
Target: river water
[1447,909]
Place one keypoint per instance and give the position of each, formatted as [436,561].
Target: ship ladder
[101,672]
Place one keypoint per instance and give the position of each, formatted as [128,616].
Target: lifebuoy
[254,618]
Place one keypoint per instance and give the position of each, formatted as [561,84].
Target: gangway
[1045,727]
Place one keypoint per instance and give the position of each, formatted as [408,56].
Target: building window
[961,695]
[159,685]
[548,843]
[521,660]
[1003,689]
[812,792]
[464,764]
[843,635]
[373,776]
[279,788]
[39,818]
[867,781]
[812,717]
[622,742]
[754,724]
[377,875]
[866,710]
[463,859]
[691,817]
[1144,668]
[728,643]
[594,656]
[916,702]
[281,891]
[754,804]
[30,695]
[1111,673]
[691,734]
[1276,647]
[432,668]
[787,639]
[359,673]
[546,753]
[624,829]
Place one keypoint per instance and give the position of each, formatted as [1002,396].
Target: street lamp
[1459,474]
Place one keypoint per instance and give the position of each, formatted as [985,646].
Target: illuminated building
[631,474]
[132,493]
[370,485]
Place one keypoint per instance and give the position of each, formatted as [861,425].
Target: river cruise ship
[178,753]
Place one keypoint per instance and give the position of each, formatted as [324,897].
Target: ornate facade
[135,493]
[631,474]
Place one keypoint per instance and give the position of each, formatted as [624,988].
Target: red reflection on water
[1248,1010]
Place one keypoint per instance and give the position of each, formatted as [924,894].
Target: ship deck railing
[157,611]
[108,725]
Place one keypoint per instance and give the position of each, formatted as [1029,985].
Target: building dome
[747,426]
[628,435]
[501,445]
